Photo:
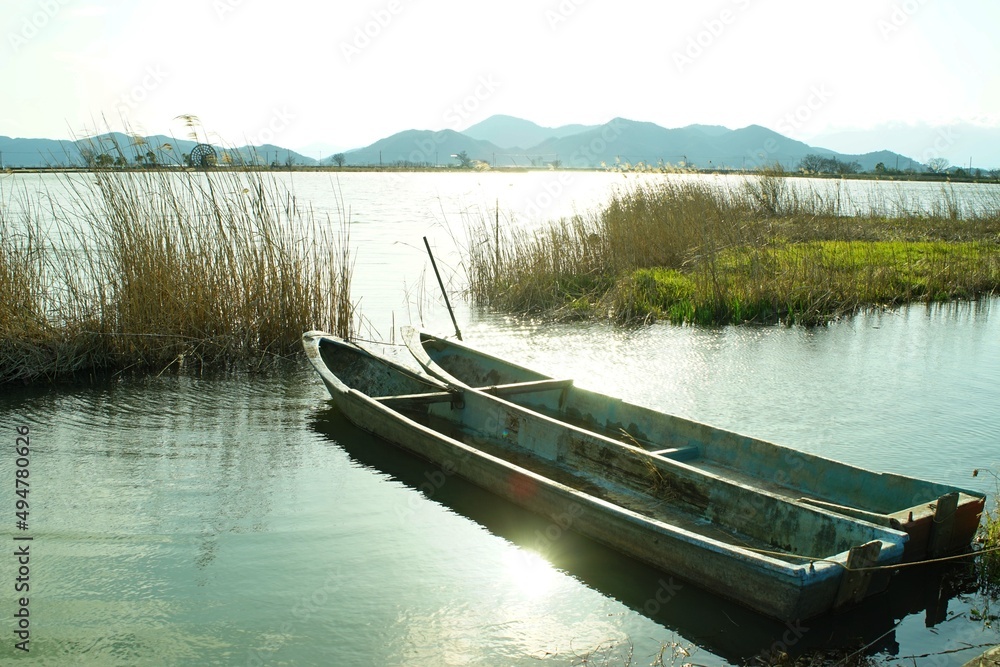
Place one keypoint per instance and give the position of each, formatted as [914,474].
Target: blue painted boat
[784,559]
[939,519]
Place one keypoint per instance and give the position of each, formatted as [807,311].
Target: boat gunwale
[413,338]
[812,569]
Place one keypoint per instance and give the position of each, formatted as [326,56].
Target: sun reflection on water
[530,574]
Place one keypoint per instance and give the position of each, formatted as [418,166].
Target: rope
[899,566]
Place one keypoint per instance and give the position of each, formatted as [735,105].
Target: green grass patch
[658,292]
[814,281]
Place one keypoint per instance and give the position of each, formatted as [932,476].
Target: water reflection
[147,497]
[532,575]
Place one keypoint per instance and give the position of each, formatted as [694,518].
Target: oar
[458,333]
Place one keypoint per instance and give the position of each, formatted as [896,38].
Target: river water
[239,520]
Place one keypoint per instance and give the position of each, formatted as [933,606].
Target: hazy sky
[322,75]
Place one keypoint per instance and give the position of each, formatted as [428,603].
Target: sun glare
[529,573]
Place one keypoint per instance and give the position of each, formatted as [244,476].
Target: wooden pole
[444,292]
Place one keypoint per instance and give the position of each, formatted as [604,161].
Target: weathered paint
[891,500]
[701,526]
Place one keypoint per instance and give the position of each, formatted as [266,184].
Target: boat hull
[939,519]
[574,478]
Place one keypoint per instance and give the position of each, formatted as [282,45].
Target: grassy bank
[144,270]
[763,252]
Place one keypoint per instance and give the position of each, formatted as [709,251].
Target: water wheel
[203,155]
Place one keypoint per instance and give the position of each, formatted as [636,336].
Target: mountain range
[501,141]
[506,141]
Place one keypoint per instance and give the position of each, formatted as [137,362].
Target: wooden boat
[939,519]
[783,559]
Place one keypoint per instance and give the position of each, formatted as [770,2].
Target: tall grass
[144,269]
[987,564]
[762,251]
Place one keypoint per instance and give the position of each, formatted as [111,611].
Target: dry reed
[145,269]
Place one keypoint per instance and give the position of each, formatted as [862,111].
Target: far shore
[895,176]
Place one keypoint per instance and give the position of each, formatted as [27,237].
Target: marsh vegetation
[144,270]
[692,252]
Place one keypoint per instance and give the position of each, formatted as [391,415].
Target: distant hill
[516,133]
[37,152]
[623,141]
[958,143]
[34,153]
[425,148]
[628,141]
[711,130]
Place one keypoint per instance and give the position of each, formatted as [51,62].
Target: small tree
[464,161]
[89,156]
[937,165]
[813,163]
[852,167]
[828,165]
[339,159]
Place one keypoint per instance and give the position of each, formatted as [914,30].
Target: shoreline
[900,177]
